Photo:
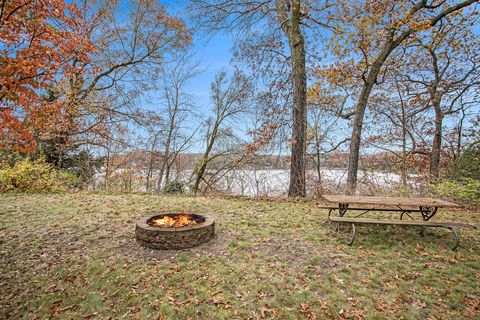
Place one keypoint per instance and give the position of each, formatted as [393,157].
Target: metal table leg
[427,214]
[456,237]
[342,209]
[352,239]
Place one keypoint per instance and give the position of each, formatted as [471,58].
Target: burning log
[176,221]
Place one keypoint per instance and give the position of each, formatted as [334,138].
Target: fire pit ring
[172,238]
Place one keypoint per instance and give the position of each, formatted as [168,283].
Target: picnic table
[427,207]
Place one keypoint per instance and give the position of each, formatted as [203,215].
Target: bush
[30,176]
[465,191]
[468,164]
[400,190]
[70,180]
[174,187]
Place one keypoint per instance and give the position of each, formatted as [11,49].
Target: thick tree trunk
[297,166]
[360,109]
[437,143]
[353,157]
[291,26]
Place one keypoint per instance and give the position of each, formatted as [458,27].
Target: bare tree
[150,142]
[178,106]
[395,119]
[230,99]
[325,136]
[115,146]
[446,73]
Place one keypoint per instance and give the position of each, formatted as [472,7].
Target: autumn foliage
[38,41]
[64,63]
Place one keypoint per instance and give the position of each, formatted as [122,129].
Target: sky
[214,55]
[213,51]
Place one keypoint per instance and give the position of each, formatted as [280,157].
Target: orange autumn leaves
[54,57]
[38,41]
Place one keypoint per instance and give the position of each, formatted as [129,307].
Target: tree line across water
[368,84]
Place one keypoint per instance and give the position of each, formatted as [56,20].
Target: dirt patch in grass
[74,256]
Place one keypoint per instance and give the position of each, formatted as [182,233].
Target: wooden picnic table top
[391,201]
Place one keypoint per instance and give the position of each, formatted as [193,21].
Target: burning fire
[176,221]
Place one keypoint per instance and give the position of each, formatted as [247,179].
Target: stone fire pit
[186,230]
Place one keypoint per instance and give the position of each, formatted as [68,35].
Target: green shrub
[30,176]
[70,180]
[174,187]
[468,164]
[465,191]
[400,190]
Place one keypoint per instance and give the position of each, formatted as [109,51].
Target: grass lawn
[74,256]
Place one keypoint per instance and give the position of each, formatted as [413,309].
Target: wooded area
[101,92]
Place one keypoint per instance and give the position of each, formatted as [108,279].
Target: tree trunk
[354,154]
[404,135]
[437,142]
[360,108]
[318,165]
[404,147]
[107,170]
[199,177]
[203,165]
[293,31]
[168,168]
[166,154]
[167,172]
[458,148]
[149,172]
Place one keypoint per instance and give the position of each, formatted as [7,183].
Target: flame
[177,221]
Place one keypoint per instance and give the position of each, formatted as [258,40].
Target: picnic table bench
[427,207]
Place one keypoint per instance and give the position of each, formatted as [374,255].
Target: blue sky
[214,55]
[213,51]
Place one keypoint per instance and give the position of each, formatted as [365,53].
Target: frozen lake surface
[274,182]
